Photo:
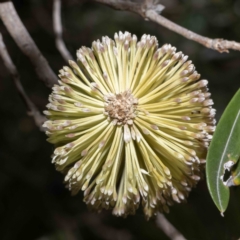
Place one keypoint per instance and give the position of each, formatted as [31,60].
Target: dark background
[33,201]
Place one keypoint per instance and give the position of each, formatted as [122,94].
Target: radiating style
[131,123]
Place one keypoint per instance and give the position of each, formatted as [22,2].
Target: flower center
[121,107]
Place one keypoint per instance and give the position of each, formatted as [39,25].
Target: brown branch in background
[168,228]
[150,9]
[139,6]
[125,5]
[217,44]
[57,27]
[24,41]
[33,111]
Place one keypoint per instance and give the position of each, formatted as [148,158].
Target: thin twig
[57,27]
[217,44]
[150,9]
[22,38]
[168,228]
[33,111]
[137,6]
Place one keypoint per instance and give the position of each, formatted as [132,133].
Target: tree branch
[22,38]
[217,44]
[137,6]
[57,27]
[168,228]
[33,111]
[150,9]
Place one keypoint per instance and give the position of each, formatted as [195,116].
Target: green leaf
[225,144]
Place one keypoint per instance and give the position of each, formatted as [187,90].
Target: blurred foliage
[33,201]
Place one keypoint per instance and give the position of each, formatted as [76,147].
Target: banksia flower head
[131,123]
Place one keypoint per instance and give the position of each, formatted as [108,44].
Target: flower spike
[131,123]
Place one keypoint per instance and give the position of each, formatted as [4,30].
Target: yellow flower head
[131,123]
